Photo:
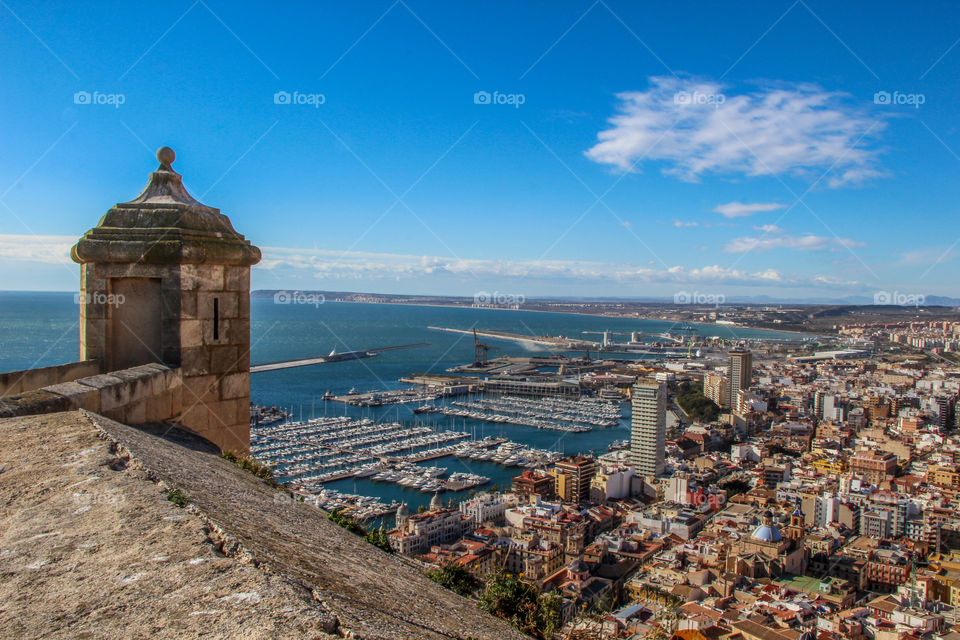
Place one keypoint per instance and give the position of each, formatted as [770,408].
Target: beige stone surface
[91,548]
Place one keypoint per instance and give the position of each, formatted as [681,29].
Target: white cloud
[681,224]
[699,127]
[769,228]
[335,265]
[776,240]
[741,209]
[931,255]
[30,248]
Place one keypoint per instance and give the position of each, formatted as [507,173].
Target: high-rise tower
[648,427]
[739,375]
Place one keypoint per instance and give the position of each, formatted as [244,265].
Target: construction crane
[480,350]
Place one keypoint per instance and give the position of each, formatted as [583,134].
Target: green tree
[698,406]
[346,522]
[379,538]
[454,577]
[522,605]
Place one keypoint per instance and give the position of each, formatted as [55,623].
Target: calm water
[39,329]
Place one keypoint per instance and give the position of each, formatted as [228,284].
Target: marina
[306,455]
[396,396]
[266,415]
[557,414]
[358,507]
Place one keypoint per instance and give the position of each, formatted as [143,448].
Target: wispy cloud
[774,238]
[926,257]
[328,265]
[681,224]
[769,228]
[42,249]
[742,209]
[701,127]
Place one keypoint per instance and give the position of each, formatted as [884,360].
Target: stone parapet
[18,382]
[139,395]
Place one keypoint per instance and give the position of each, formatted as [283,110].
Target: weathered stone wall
[99,302]
[148,393]
[215,353]
[93,548]
[205,331]
[16,382]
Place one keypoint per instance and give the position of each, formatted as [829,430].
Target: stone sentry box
[166,279]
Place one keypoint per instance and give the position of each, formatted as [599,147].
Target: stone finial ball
[166,155]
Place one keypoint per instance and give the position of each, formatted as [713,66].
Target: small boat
[327,396]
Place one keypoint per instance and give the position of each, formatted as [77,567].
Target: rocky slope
[90,547]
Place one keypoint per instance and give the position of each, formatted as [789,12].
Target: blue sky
[733,149]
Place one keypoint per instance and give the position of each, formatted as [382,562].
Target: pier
[333,356]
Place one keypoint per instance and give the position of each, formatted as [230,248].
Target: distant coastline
[467,304]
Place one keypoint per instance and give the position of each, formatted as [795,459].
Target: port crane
[480,350]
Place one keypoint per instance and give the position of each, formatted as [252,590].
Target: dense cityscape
[795,492]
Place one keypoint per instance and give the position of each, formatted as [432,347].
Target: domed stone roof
[165,225]
[767,533]
[436,502]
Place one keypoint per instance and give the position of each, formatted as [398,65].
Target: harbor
[307,455]
[451,361]
[559,414]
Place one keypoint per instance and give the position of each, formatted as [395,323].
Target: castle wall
[16,382]
[139,395]
[214,329]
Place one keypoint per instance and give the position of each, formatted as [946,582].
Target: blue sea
[40,329]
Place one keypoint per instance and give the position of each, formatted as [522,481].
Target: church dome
[402,510]
[767,533]
[436,502]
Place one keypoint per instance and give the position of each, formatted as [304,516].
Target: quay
[333,356]
[399,396]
